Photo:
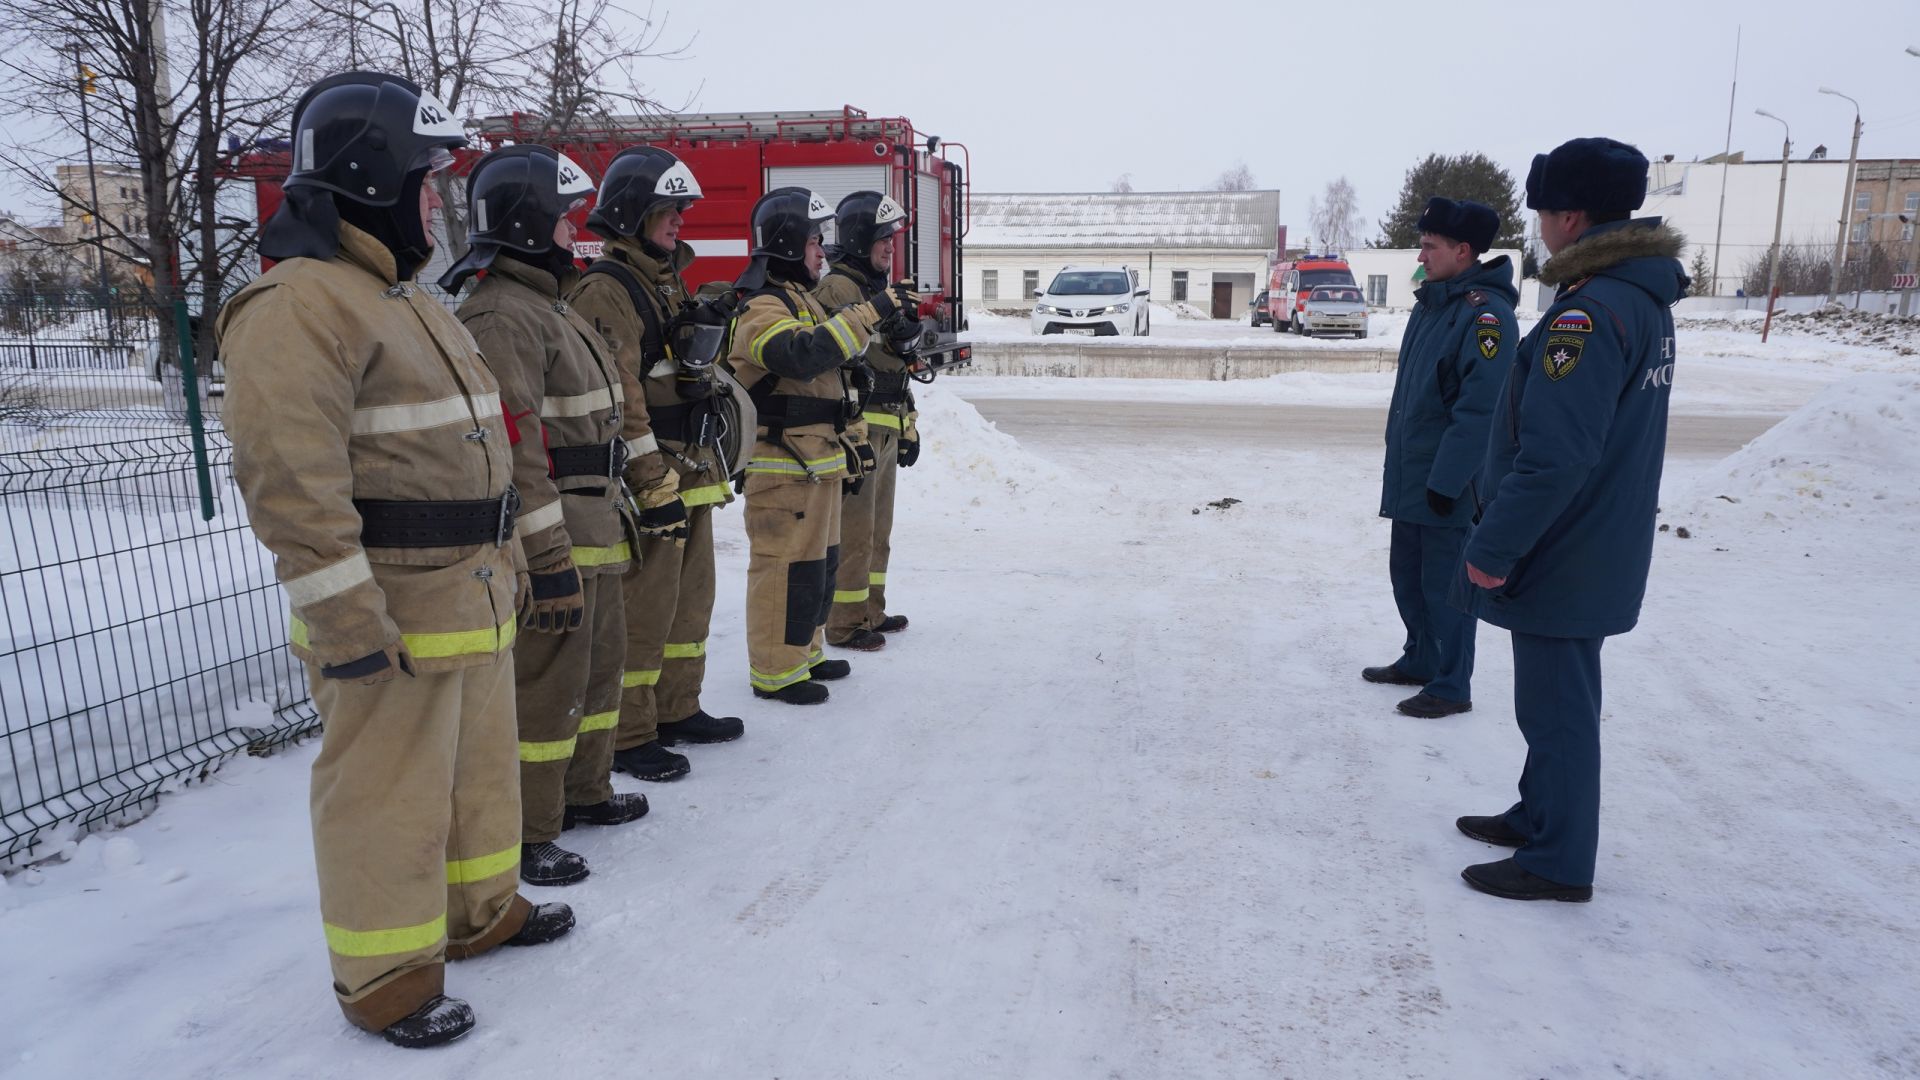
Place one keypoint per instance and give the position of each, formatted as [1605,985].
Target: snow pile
[1831,323]
[1851,453]
[967,461]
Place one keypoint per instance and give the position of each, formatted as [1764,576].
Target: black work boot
[651,761]
[617,810]
[548,863]
[800,693]
[827,670]
[1427,707]
[544,923]
[1510,881]
[892,624]
[1491,830]
[701,728]
[440,1021]
[863,640]
[1390,674]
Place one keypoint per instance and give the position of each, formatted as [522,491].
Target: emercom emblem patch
[1562,355]
[1489,341]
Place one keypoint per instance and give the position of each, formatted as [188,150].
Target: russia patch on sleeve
[1573,321]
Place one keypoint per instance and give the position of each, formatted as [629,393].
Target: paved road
[1293,427]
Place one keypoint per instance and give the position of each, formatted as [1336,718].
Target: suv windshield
[1344,296]
[1088,283]
[1310,278]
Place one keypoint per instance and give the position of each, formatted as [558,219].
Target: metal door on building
[1223,300]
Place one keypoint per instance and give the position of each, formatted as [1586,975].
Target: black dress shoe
[892,624]
[827,670]
[701,728]
[800,693]
[437,1023]
[1427,707]
[1491,830]
[1390,674]
[1510,881]
[651,761]
[617,810]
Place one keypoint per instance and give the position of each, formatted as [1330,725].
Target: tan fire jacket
[842,288]
[784,340]
[563,390]
[604,301]
[344,384]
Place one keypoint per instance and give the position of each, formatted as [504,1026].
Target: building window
[1913,202]
[1906,233]
[1029,284]
[1863,202]
[1860,232]
[1179,286]
[1377,290]
[989,284]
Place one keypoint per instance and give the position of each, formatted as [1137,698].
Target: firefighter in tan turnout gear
[636,298]
[865,226]
[371,451]
[792,356]
[564,403]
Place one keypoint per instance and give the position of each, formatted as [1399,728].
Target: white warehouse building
[1204,248]
[1687,195]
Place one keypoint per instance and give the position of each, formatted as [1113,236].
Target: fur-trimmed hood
[1644,251]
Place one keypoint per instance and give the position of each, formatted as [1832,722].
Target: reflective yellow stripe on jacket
[705,495]
[882,419]
[436,646]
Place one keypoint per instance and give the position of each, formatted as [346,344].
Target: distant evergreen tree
[1466,176]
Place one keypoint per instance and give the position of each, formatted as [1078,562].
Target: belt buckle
[509,506]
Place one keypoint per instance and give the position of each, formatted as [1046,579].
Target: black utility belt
[426,523]
[777,411]
[606,459]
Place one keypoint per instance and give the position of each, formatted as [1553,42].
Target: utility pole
[1846,202]
[1726,160]
[1779,216]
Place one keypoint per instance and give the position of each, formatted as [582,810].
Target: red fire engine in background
[737,157]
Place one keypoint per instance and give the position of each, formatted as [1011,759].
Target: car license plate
[1083,331]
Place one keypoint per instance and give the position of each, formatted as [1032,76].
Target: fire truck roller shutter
[926,229]
[831,182]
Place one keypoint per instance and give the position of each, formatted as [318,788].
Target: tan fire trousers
[416,831]
[866,541]
[568,687]
[669,597]
[793,535]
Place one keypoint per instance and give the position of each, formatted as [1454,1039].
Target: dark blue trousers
[1423,560]
[1556,699]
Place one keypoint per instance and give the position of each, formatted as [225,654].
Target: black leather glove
[868,460]
[373,668]
[884,305]
[669,519]
[909,452]
[1439,503]
[559,604]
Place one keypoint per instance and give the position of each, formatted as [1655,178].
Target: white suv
[1105,301]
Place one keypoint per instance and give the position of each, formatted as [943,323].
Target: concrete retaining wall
[1216,363]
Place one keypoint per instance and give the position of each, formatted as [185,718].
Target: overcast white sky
[1054,96]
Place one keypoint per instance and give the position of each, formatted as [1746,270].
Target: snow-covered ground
[1118,805]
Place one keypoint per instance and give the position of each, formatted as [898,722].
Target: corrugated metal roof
[1165,219]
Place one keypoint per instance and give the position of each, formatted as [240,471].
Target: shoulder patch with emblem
[1486,331]
[1562,355]
[1572,321]
[1487,318]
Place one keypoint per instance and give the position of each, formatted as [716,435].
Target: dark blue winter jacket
[1453,358]
[1572,477]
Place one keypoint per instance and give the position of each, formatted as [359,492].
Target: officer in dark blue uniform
[1453,358]
[1560,554]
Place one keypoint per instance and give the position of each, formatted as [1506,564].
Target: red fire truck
[1289,283]
[738,157]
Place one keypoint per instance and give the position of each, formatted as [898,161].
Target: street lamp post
[1846,202]
[1779,216]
